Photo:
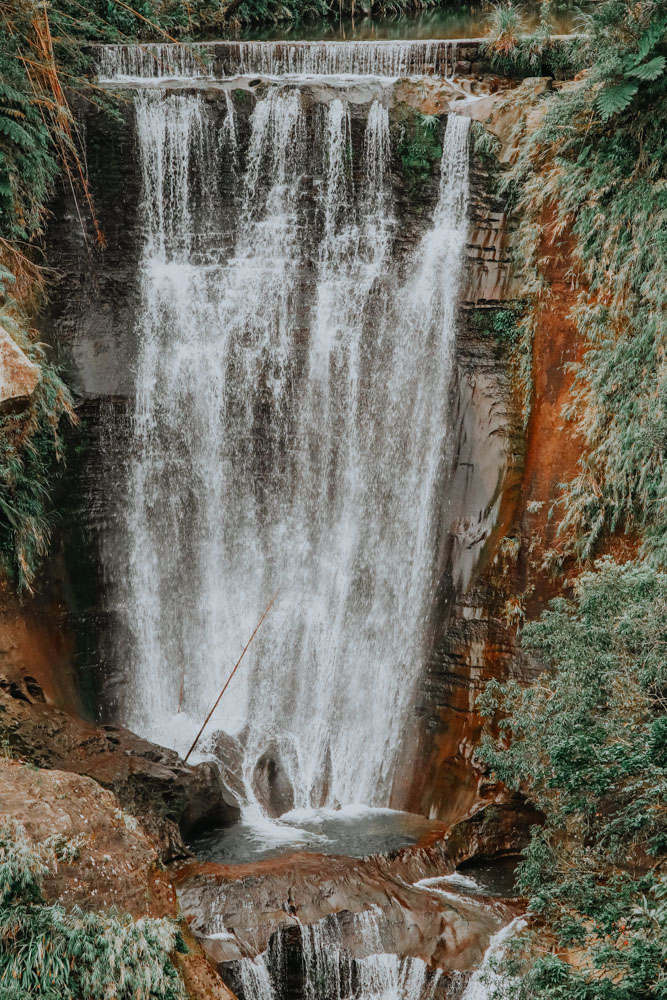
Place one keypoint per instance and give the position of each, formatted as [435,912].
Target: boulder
[271,783]
[18,375]
[229,753]
[170,799]
[111,862]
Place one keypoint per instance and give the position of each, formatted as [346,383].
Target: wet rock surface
[272,784]
[171,799]
[235,910]
[501,828]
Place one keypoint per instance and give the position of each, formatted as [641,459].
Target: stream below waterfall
[290,434]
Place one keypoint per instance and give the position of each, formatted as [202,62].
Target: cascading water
[329,969]
[289,436]
[487,982]
[123,63]
[290,440]
[131,63]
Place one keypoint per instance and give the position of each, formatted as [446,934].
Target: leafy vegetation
[50,953]
[594,167]
[419,149]
[502,324]
[588,744]
[30,445]
[514,50]
[505,28]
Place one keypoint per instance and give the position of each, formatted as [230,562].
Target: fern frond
[650,70]
[651,37]
[17,133]
[611,100]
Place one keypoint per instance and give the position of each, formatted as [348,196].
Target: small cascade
[389,59]
[339,958]
[221,60]
[255,979]
[155,61]
[487,983]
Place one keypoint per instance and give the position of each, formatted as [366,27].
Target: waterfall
[328,969]
[290,436]
[487,983]
[122,63]
[131,63]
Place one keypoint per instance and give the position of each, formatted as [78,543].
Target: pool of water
[494,877]
[354,831]
[459,21]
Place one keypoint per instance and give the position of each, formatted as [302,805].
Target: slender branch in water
[228,681]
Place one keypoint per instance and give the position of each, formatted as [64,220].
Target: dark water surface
[352,831]
[460,21]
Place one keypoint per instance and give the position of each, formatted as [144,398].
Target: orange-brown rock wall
[510,579]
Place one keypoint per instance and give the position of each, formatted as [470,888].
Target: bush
[596,166]
[419,149]
[50,953]
[588,746]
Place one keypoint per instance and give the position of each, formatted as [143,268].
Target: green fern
[652,36]
[650,70]
[17,133]
[611,100]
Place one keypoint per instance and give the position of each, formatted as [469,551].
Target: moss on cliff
[418,146]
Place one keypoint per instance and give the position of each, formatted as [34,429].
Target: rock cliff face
[471,641]
[510,475]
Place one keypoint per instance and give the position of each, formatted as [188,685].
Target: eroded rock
[271,782]
[235,910]
[171,799]
[114,862]
[18,375]
[496,829]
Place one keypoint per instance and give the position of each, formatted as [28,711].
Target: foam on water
[357,831]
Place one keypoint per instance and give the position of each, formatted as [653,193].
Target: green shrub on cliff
[418,148]
[513,50]
[588,745]
[30,448]
[595,168]
[38,51]
[50,953]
